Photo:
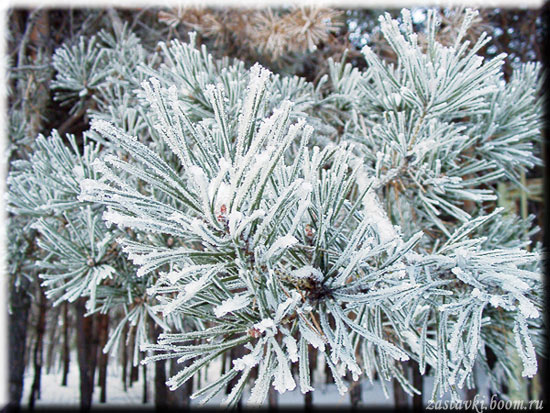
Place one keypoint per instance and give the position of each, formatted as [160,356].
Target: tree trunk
[161,390]
[103,333]
[399,397]
[418,383]
[133,376]
[180,397]
[312,356]
[355,392]
[87,353]
[145,396]
[134,373]
[125,358]
[52,336]
[66,344]
[33,106]
[273,398]
[235,353]
[38,347]
[20,303]
[224,362]
[470,394]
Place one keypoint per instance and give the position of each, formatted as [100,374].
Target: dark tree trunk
[470,393]
[30,340]
[34,44]
[20,303]
[328,374]
[235,353]
[180,397]
[133,370]
[312,357]
[224,362]
[399,396]
[38,348]
[52,339]
[161,390]
[66,343]
[145,398]
[418,383]
[125,358]
[355,396]
[273,398]
[134,373]
[87,353]
[492,361]
[103,333]
[542,376]
[308,400]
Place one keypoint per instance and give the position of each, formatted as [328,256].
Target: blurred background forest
[44,339]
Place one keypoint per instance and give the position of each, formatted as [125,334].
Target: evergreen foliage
[234,207]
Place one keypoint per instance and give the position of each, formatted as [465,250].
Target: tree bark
[66,344]
[52,339]
[312,356]
[37,34]
[328,374]
[125,358]
[355,392]
[180,398]
[20,303]
[34,97]
[401,400]
[418,383]
[470,394]
[103,333]
[399,396]
[161,390]
[145,390]
[134,373]
[235,353]
[273,398]
[38,348]
[87,353]
[133,376]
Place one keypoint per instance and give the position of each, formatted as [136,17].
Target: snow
[285,306]
[231,304]
[496,301]
[313,338]
[246,362]
[476,292]
[194,287]
[292,348]
[525,348]
[280,244]
[266,324]
[189,291]
[308,272]
[526,307]
[53,394]
[283,381]
[223,195]
[378,218]
[235,218]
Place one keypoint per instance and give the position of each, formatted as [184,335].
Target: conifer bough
[244,222]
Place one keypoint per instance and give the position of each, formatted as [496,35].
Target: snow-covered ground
[55,394]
